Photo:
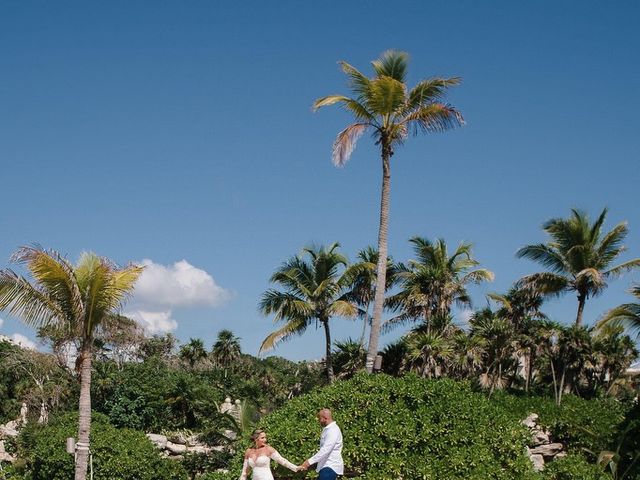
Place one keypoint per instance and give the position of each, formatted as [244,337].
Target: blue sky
[181,132]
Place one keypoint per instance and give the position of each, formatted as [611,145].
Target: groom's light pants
[327,474]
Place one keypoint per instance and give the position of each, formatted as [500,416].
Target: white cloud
[464,316]
[23,341]
[177,285]
[154,322]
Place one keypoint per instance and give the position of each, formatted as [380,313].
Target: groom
[329,457]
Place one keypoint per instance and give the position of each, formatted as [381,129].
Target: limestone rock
[538,462]
[549,450]
[176,448]
[531,421]
[160,441]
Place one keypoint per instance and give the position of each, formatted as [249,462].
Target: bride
[259,458]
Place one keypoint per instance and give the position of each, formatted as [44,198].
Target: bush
[582,425]
[405,428]
[574,467]
[118,454]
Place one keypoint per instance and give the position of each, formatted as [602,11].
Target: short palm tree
[580,256]
[363,290]
[314,285]
[193,351]
[499,357]
[385,106]
[433,282]
[226,350]
[79,298]
[627,314]
[428,353]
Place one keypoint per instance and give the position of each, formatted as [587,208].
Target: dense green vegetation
[441,429]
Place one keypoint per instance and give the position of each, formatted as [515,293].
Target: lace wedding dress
[261,468]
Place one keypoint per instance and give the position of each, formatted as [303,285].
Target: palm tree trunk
[381,271]
[582,298]
[328,362]
[84,412]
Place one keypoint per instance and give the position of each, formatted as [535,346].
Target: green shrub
[574,467]
[582,425]
[118,454]
[405,428]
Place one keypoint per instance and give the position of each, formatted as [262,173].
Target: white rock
[159,440]
[549,450]
[538,462]
[531,420]
[540,437]
[199,449]
[176,448]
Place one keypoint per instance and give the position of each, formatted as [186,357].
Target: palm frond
[544,283]
[436,117]
[358,82]
[346,142]
[429,91]
[293,327]
[545,255]
[33,306]
[387,96]
[615,272]
[393,64]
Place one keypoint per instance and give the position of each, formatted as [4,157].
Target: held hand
[305,465]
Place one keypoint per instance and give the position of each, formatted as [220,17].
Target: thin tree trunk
[555,381]
[527,378]
[381,270]
[328,362]
[564,371]
[582,298]
[84,412]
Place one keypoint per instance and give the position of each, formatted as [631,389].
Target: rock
[549,450]
[199,449]
[540,437]
[4,456]
[531,421]
[179,438]
[10,429]
[175,448]
[160,441]
[538,462]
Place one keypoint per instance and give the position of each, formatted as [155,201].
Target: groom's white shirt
[330,453]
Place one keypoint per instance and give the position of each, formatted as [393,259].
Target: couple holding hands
[328,458]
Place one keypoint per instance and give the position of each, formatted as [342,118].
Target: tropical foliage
[80,299]
[579,256]
[314,285]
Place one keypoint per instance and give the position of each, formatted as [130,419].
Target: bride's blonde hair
[256,434]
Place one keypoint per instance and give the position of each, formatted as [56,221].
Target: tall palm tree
[193,351]
[433,282]
[78,297]
[314,290]
[226,350]
[627,314]
[384,105]
[579,255]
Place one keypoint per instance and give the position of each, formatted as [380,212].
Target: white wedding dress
[261,466]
